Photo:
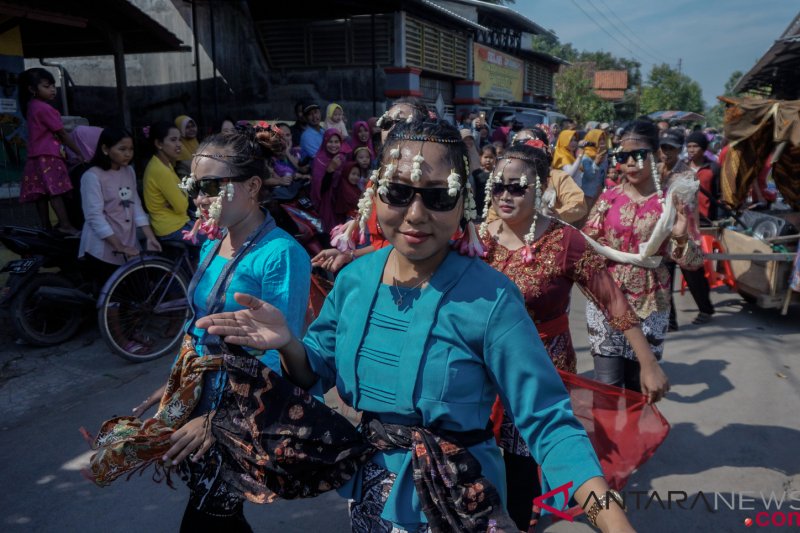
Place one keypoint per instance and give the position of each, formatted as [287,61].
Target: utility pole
[680,63]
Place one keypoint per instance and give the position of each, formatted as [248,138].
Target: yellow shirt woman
[163,198]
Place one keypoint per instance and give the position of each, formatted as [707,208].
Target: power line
[623,45]
[611,24]
[644,43]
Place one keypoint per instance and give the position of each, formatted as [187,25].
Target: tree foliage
[576,98]
[669,90]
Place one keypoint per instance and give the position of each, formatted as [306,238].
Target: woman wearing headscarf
[567,155]
[362,136]
[594,165]
[326,172]
[189,144]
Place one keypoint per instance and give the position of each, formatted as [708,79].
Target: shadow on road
[708,372]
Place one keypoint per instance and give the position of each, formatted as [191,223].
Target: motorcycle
[46,306]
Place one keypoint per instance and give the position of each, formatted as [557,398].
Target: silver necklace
[398,300]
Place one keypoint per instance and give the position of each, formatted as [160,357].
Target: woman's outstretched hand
[260,326]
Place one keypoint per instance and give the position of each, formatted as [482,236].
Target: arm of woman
[534,395]
[590,273]
[177,201]
[574,170]
[262,326]
[285,284]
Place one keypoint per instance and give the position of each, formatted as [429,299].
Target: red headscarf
[323,191]
[355,142]
[348,194]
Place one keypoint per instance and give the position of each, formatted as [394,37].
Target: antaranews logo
[781,509]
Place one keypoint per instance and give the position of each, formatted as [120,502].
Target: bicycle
[144,305]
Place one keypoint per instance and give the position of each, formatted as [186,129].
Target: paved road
[733,409]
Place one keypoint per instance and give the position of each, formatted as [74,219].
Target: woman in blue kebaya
[245,252]
[420,338]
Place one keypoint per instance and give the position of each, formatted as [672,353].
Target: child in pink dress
[45,178]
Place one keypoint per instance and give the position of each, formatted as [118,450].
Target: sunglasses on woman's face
[211,185]
[514,189]
[433,198]
[622,157]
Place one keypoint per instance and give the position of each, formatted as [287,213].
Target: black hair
[159,131]
[108,138]
[250,149]
[535,159]
[31,78]
[489,148]
[282,125]
[437,129]
[420,109]
[224,120]
[566,122]
[646,129]
[541,135]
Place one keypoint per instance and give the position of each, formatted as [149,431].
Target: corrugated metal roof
[778,64]
[453,15]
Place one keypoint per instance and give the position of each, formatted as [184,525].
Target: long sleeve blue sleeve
[535,397]
[285,283]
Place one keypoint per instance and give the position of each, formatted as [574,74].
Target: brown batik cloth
[127,444]
[276,440]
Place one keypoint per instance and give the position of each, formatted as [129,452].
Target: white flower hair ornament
[530,237]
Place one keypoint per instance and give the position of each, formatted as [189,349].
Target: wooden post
[121,77]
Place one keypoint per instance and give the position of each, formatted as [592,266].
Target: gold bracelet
[603,503]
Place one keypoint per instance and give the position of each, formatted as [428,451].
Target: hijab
[329,123]
[188,146]
[347,195]
[563,155]
[323,195]
[356,143]
[596,143]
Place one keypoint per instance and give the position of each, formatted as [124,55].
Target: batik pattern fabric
[126,444]
[623,224]
[365,514]
[607,341]
[300,448]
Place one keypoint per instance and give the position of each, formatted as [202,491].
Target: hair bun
[269,138]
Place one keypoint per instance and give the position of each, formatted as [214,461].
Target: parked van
[527,115]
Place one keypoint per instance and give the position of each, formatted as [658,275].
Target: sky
[712,38]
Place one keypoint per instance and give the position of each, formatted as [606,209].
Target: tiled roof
[611,79]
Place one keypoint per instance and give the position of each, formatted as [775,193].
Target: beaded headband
[426,138]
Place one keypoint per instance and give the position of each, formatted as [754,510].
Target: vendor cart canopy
[761,133]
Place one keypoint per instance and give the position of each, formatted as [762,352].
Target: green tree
[716,114]
[576,98]
[669,90]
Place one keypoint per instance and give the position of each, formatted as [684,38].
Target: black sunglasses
[433,198]
[211,185]
[514,189]
[622,157]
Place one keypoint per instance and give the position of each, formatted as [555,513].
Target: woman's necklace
[398,300]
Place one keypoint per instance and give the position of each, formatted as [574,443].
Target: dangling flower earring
[229,190]
[639,162]
[656,178]
[530,237]
[416,166]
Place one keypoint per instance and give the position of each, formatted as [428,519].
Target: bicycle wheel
[144,310]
